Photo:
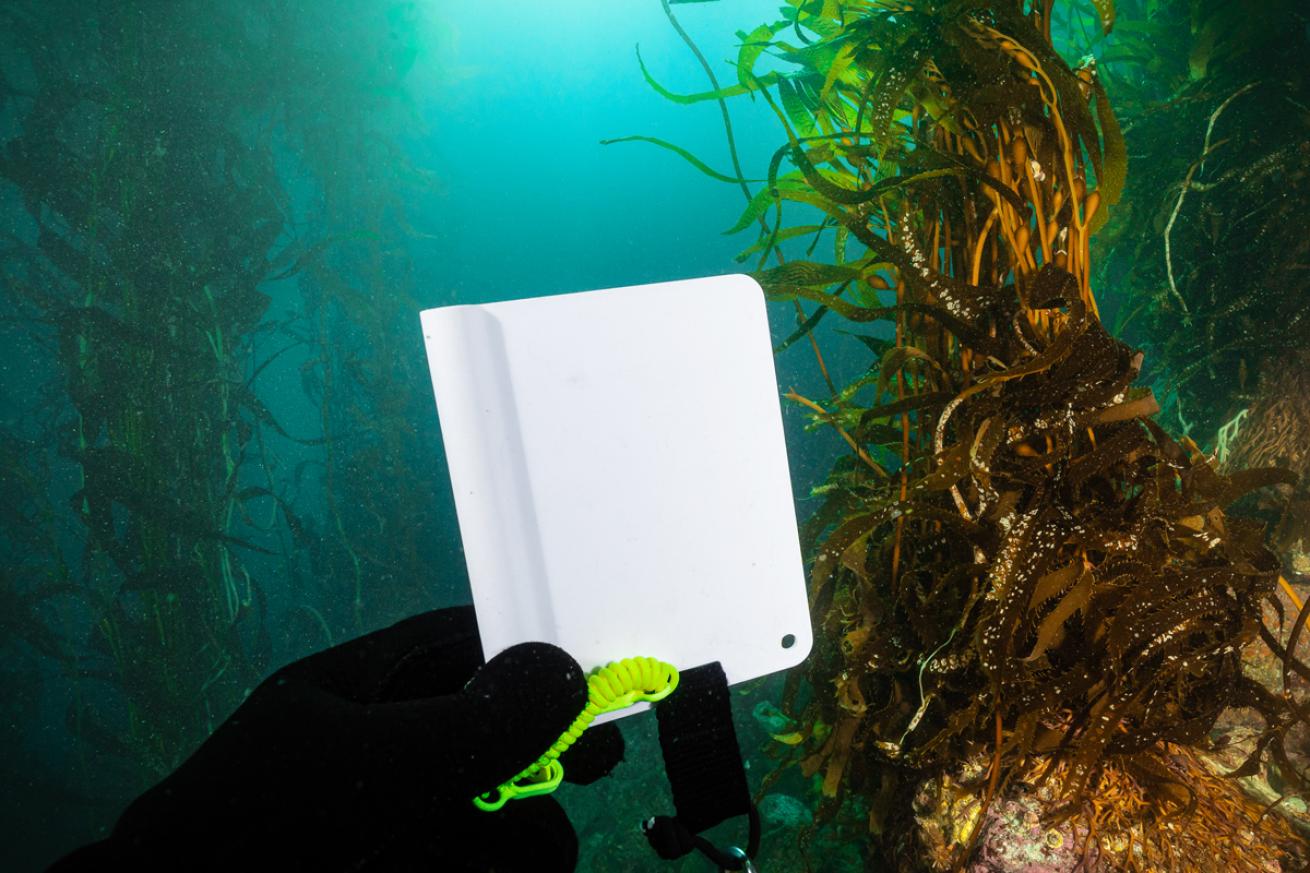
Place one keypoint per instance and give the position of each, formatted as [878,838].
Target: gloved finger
[512,710]
[299,758]
[532,835]
[428,655]
[595,754]
[455,745]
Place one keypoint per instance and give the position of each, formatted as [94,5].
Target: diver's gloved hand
[367,757]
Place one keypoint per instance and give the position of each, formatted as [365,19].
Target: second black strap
[704,766]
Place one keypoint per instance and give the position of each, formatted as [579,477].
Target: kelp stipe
[1022,579]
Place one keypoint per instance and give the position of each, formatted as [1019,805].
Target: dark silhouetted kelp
[166,166]
[1214,248]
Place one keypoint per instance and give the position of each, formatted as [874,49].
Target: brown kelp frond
[1164,809]
[1016,565]
[1055,558]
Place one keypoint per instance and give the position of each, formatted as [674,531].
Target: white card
[620,474]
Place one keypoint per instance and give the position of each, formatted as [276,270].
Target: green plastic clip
[617,685]
[543,781]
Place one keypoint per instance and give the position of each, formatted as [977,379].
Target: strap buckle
[747,865]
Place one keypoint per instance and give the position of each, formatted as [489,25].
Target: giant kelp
[1214,250]
[1015,560]
[145,228]
[193,202]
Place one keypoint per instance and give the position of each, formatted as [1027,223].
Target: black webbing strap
[703,763]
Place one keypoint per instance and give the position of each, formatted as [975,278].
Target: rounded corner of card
[745,282]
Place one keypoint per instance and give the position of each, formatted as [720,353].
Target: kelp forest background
[1039,285]
[197,201]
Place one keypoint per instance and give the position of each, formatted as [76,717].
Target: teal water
[219,450]
[221,221]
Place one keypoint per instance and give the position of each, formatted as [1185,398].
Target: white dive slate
[620,474]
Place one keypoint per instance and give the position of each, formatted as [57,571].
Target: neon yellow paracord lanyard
[617,685]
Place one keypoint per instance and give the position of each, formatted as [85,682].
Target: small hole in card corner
[788,640]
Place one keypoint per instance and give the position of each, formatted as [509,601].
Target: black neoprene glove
[367,756]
